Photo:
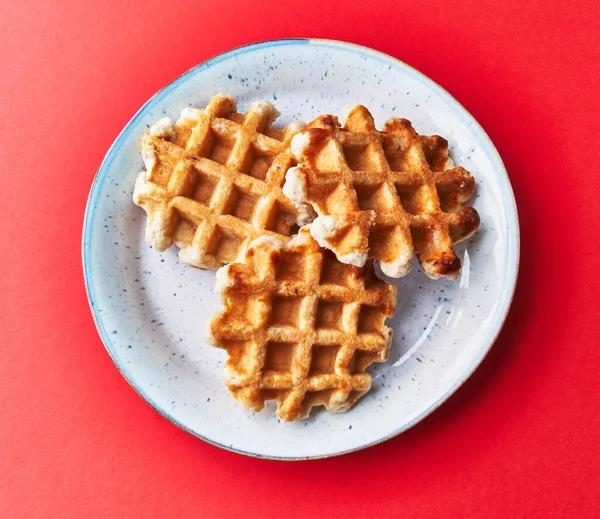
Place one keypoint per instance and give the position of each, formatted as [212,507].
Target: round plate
[151,310]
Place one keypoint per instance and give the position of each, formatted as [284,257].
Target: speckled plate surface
[151,310]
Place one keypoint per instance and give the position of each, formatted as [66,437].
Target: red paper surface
[520,439]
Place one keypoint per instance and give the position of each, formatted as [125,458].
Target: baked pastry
[213,181]
[300,327]
[384,195]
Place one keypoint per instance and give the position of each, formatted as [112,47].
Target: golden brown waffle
[300,327]
[213,181]
[382,195]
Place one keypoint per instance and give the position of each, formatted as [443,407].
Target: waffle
[383,195]
[213,181]
[300,327]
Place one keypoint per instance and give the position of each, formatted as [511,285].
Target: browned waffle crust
[300,327]
[383,195]
[213,181]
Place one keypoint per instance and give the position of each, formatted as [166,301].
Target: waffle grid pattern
[301,327]
[400,186]
[213,181]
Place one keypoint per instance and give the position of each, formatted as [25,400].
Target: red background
[520,439]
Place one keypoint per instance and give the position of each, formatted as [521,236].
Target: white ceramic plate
[151,310]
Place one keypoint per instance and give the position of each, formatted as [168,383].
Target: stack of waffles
[293,220]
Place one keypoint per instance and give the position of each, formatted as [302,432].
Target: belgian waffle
[300,327]
[213,181]
[383,195]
